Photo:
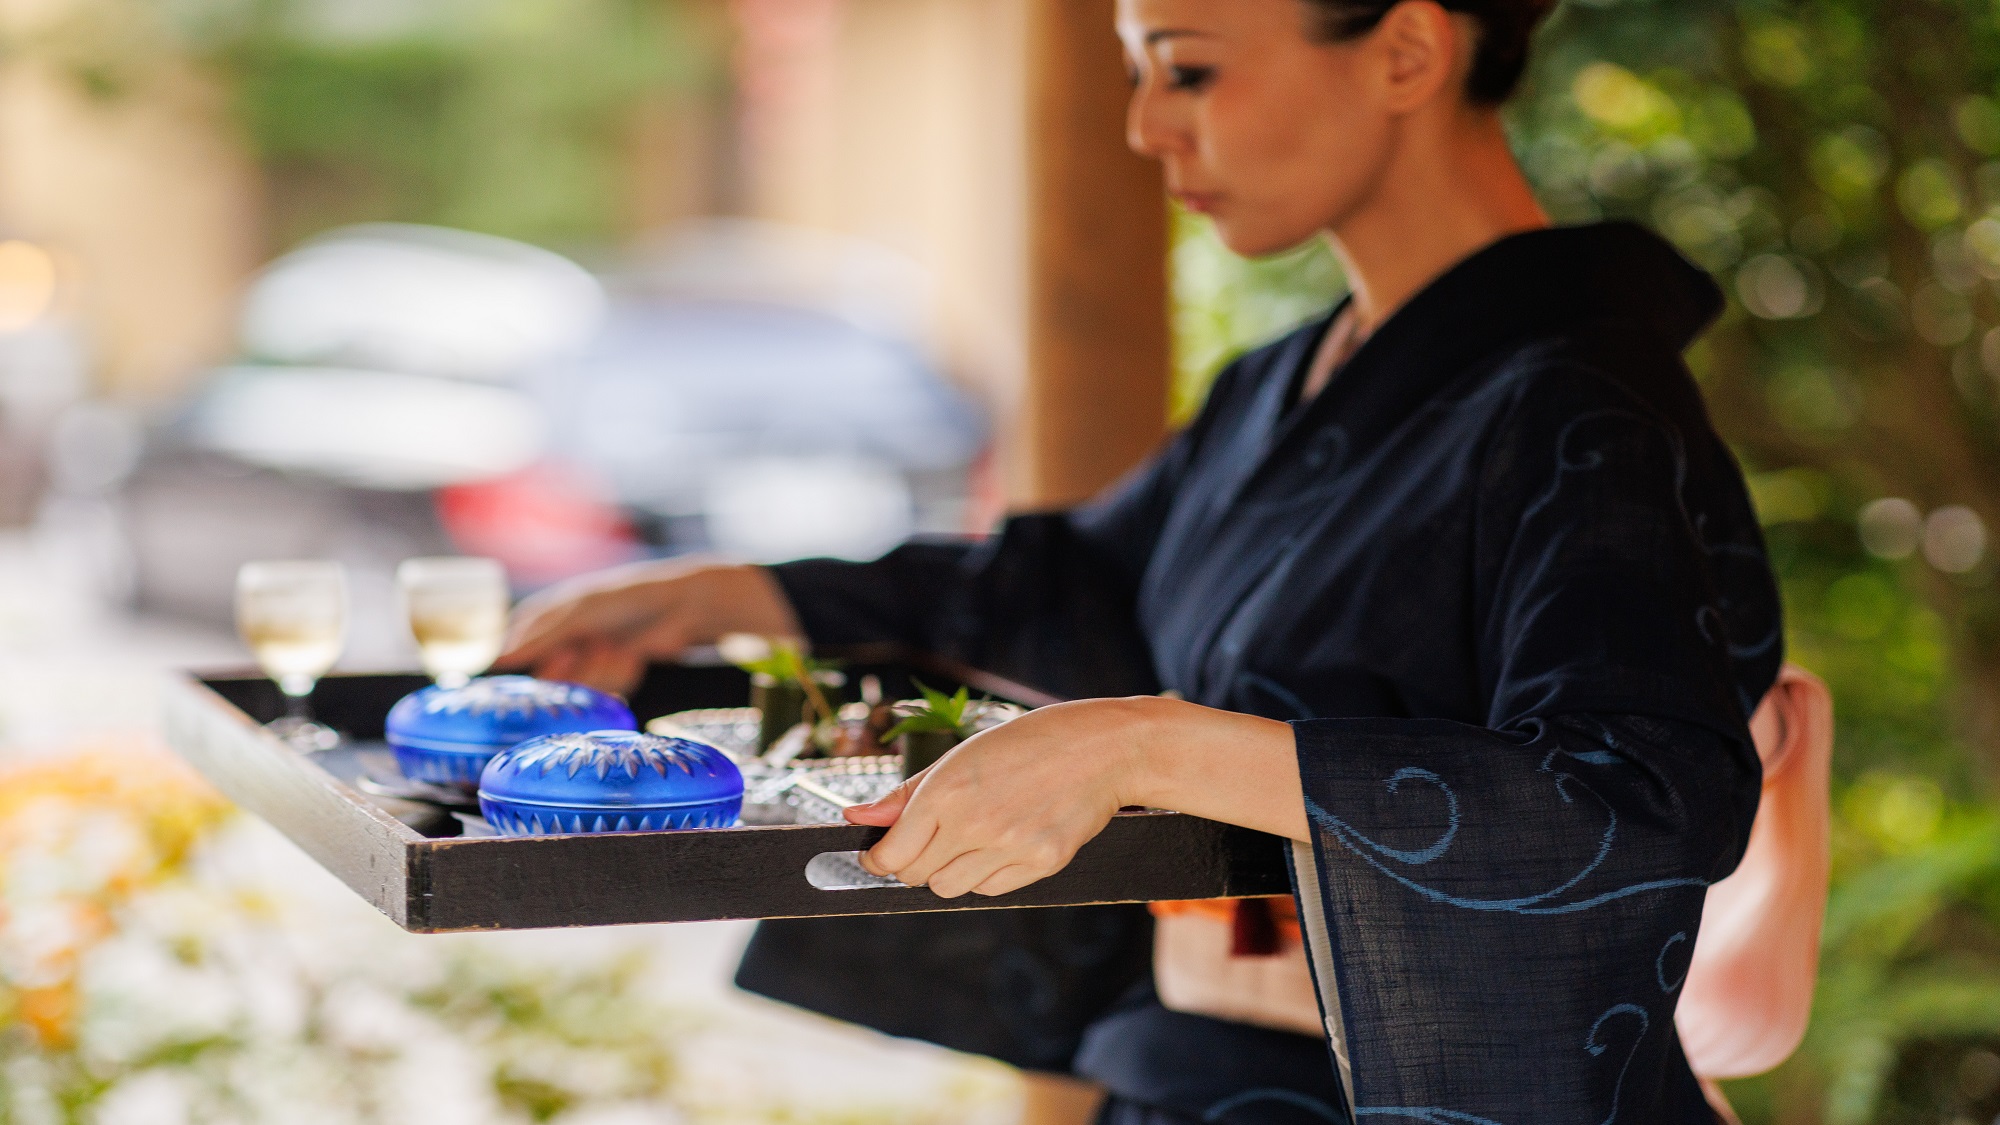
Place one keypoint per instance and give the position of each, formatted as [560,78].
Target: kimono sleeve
[1050,600]
[1502,915]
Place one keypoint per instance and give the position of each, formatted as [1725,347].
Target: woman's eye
[1190,78]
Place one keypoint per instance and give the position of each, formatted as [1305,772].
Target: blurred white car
[408,389]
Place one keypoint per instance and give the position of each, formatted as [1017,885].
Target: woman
[1458,588]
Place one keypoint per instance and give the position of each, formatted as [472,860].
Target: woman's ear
[1423,53]
[1794,721]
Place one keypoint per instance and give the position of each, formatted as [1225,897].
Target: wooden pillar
[986,140]
[1098,349]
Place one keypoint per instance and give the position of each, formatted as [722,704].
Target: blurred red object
[545,523]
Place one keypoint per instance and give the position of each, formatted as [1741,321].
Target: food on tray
[931,726]
[858,731]
[732,730]
[446,736]
[787,685]
[815,769]
[609,781]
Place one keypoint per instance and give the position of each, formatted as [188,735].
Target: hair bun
[1507,31]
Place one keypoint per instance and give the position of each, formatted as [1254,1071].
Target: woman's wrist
[1221,765]
[1155,748]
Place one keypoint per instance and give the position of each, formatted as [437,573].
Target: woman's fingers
[951,866]
[1017,799]
[539,632]
[954,852]
[901,847]
[599,664]
[1009,879]
[608,666]
[614,605]
[885,810]
[557,664]
[656,618]
[963,873]
[657,610]
[899,851]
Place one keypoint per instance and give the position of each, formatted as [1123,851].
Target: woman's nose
[1146,128]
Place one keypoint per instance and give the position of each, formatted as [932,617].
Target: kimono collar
[1525,286]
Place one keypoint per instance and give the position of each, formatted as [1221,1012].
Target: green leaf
[941,714]
[928,722]
[1888,893]
[787,661]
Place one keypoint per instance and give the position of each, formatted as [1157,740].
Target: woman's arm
[602,629]
[1013,805]
[1048,599]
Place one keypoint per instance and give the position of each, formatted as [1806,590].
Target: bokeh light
[1891,528]
[1954,539]
[1779,287]
[1898,813]
[27,284]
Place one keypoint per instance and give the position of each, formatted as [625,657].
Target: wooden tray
[398,855]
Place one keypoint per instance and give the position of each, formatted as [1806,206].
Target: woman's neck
[1450,189]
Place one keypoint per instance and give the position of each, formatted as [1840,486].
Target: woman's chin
[1251,240]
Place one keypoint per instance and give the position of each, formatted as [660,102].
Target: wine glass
[293,615]
[457,608]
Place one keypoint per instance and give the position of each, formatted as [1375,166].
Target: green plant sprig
[942,714]
[788,661]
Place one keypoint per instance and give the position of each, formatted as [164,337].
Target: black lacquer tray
[411,862]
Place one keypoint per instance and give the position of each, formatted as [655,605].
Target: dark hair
[1506,28]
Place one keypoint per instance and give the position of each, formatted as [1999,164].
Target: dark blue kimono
[1506,583]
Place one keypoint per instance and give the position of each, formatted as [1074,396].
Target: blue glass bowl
[447,735]
[609,781]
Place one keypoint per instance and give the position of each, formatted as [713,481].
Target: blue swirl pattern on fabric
[1506,583]
[1618,768]
[1222,1111]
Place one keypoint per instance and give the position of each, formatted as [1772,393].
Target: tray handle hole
[842,871]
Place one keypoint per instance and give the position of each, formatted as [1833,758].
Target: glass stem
[298,693]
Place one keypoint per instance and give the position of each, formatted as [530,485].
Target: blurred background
[575,282]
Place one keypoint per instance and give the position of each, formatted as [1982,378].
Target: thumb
[884,811]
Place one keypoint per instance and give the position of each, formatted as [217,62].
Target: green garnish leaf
[941,713]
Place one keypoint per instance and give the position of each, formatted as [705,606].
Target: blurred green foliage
[513,117]
[1224,304]
[1836,164]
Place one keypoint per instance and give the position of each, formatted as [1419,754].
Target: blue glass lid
[500,711]
[612,769]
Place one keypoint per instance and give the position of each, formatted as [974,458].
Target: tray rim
[431,885]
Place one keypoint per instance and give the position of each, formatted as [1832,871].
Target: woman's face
[1272,134]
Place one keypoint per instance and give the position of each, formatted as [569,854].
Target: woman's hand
[1013,804]
[602,629]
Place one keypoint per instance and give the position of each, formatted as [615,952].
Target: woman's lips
[1201,203]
